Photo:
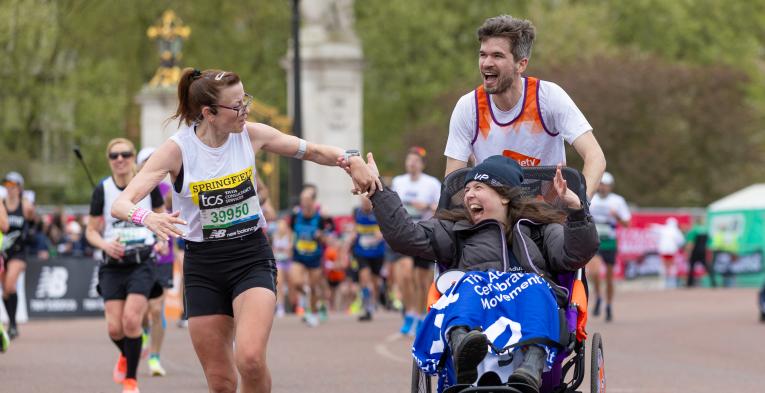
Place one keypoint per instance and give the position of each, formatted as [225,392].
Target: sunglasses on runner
[125,154]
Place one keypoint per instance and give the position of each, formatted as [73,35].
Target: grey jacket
[483,246]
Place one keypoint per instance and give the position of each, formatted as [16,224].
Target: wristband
[139,215]
[132,211]
[351,153]
[301,150]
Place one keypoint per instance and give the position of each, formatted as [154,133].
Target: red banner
[636,253]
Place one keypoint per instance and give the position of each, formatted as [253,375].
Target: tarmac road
[698,340]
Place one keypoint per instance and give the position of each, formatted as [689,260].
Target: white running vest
[131,235]
[219,197]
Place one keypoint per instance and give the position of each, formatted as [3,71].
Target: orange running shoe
[130,386]
[120,369]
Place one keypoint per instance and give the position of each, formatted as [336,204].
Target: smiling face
[227,118]
[483,203]
[124,159]
[499,69]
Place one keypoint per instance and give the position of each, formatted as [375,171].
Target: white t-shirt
[559,114]
[426,189]
[601,208]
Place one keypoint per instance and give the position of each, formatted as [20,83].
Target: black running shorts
[165,275]
[216,272]
[115,282]
[375,264]
[609,256]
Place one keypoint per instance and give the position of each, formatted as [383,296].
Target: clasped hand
[365,175]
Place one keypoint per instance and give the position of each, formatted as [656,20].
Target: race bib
[132,235]
[228,206]
[606,231]
[308,246]
[368,241]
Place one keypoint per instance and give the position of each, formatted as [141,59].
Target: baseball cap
[497,171]
[15,177]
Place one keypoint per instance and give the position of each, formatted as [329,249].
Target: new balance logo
[52,282]
[217,234]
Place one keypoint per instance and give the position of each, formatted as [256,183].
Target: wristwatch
[351,153]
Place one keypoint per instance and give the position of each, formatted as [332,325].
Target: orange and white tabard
[525,138]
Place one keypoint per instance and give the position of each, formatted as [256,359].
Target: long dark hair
[519,207]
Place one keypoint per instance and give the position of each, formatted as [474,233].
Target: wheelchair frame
[451,196]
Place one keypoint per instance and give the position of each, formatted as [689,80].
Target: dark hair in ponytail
[198,89]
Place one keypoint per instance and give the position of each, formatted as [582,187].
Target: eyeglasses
[241,109]
[125,154]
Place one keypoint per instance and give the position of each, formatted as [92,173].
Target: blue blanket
[509,308]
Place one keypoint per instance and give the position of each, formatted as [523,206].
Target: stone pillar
[331,88]
[157,105]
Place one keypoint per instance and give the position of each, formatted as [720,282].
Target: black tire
[597,365]
[421,382]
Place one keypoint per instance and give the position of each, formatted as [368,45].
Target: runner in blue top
[309,228]
[369,252]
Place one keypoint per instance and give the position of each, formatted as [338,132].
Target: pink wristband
[139,215]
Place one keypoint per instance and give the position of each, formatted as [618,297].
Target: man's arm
[594,160]
[452,164]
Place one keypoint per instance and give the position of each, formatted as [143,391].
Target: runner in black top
[126,279]
[20,212]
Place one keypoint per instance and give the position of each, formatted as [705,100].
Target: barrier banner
[63,287]
[637,254]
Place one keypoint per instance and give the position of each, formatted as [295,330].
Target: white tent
[749,198]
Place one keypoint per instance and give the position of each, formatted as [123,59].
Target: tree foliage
[674,89]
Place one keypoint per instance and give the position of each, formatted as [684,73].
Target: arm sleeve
[156,198]
[560,113]
[571,245]
[97,201]
[403,235]
[462,125]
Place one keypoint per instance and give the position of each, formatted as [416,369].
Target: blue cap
[497,171]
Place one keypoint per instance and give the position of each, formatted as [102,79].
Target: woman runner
[229,266]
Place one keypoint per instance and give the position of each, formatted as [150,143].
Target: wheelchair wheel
[597,365]
[421,382]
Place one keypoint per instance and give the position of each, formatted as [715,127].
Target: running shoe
[323,314]
[145,344]
[183,323]
[406,327]
[609,316]
[5,341]
[13,332]
[155,367]
[130,386]
[311,319]
[366,317]
[120,369]
[596,309]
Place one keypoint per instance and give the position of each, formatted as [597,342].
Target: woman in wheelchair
[494,230]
